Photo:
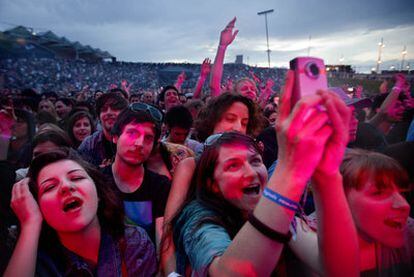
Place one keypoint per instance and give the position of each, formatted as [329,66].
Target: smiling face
[171,99]
[240,176]
[82,128]
[108,117]
[235,118]
[135,143]
[380,214]
[67,196]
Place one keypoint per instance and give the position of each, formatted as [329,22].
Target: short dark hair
[121,91]
[179,116]
[112,99]
[67,101]
[128,116]
[161,96]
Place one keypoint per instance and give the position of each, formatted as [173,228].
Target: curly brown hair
[211,114]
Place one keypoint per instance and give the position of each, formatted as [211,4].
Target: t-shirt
[147,203]
[198,245]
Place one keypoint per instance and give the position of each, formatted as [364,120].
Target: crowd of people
[69,76]
[106,172]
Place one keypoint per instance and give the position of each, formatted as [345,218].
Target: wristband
[268,232]
[281,200]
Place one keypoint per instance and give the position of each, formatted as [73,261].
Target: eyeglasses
[155,113]
[229,136]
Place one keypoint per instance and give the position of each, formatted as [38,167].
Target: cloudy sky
[345,31]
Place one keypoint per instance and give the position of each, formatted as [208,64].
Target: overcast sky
[188,30]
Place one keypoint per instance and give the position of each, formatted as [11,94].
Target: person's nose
[399,202]
[139,141]
[238,126]
[66,187]
[249,171]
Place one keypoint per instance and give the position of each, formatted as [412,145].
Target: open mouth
[252,190]
[72,204]
[396,224]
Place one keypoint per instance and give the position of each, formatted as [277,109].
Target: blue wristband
[281,200]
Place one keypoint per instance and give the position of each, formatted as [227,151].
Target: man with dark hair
[179,122]
[143,192]
[168,98]
[98,149]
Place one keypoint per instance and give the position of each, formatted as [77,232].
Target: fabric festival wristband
[268,232]
[281,200]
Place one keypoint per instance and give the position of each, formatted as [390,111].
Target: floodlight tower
[403,54]
[267,33]
[379,61]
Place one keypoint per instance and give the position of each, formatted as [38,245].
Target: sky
[340,32]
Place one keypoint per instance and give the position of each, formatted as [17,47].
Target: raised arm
[335,257]
[266,92]
[204,72]
[226,38]
[180,80]
[391,110]
[179,189]
[301,145]
[23,260]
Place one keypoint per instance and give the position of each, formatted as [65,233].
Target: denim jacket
[138,253]
[92,148]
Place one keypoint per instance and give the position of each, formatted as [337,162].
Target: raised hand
[24,205]
[227,35]
[302,132]
[255,78]
[205,67]
[125,86]
[112,86]
[339,116]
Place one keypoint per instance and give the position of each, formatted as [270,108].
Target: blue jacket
[92,148]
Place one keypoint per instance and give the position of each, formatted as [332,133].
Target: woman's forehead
[59,168]
[232,150]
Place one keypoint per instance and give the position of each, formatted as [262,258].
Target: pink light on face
[67,196]
[380,214]
[240,176]
[135,143]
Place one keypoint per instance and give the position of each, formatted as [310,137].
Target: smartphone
[310,76]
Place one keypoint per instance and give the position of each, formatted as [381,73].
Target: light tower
[267,33]
[379,61]
[403,54]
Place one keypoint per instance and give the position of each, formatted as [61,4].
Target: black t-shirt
[147,203]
